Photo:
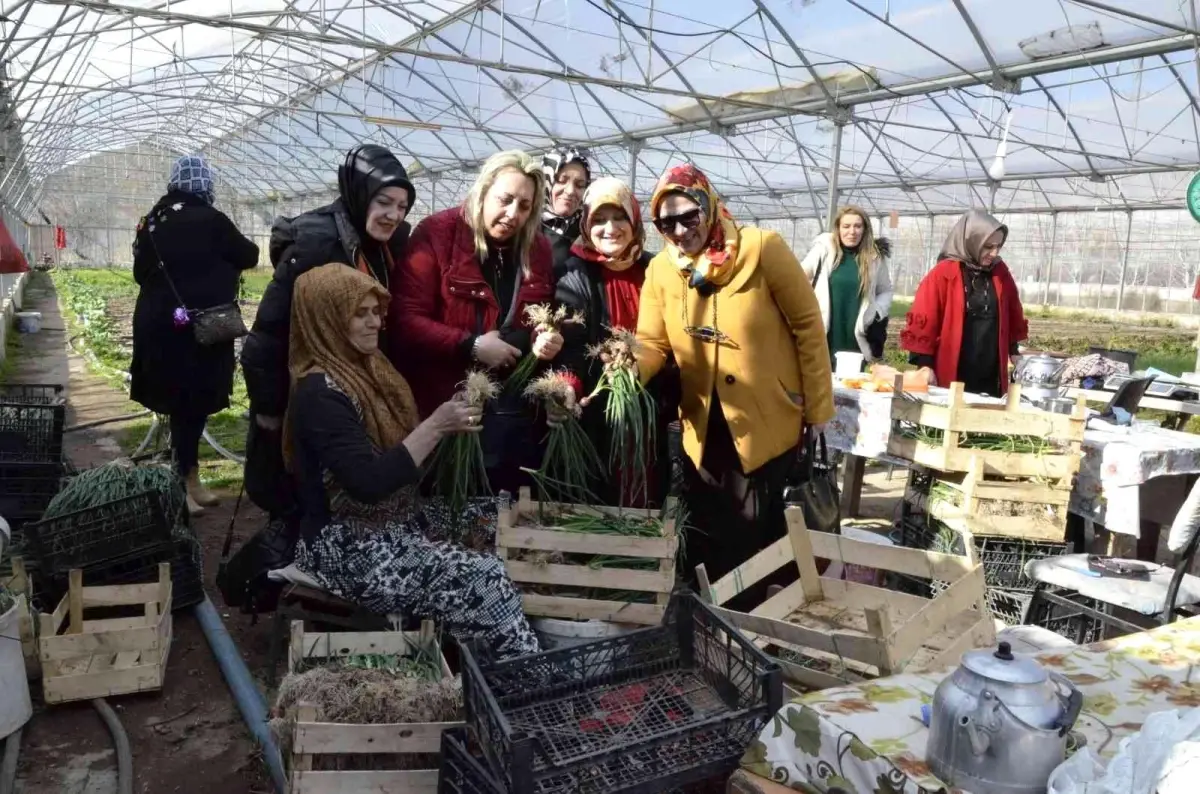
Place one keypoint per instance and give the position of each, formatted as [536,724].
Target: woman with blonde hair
[848,269]
[461,294]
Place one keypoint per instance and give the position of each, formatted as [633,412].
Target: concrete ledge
[12,296]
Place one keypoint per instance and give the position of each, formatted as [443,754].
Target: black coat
[318,237]
[204,254]
[580,287]
[562,235]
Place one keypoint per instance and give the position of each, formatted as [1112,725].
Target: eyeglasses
[688,220]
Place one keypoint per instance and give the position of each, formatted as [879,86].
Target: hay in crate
[586,562]
[362,709]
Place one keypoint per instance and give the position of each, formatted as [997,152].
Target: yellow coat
[776,349]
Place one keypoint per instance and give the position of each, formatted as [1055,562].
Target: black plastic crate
[461,771]
[32,393]
[107,531]
[187,584]
[1073,624]
[648,711]
[31,432]
[25,491]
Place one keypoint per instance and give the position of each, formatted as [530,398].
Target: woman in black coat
[602,278]
[187,254]
[567,176]
[363,229]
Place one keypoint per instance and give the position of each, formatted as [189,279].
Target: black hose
[121,742]
[8,767]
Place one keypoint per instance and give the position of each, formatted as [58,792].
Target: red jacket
[440,298]
[934,324]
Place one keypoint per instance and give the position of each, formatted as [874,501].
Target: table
[1183,410]
[869,738]
[1127,477]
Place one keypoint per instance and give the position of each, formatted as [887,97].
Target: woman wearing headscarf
[461,295]
[966,318]
[848,268]
[602,280]
[355,444]
[363,229]
[187,254]
[567,175]
[728,302]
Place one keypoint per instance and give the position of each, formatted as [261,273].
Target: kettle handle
[1072,705]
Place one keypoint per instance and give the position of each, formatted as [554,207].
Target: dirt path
[204,747]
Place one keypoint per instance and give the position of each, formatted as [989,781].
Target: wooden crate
[1011,418]
[20,584]
[312,739]
[983,506]
[521,532]
[84,659]
[857,630]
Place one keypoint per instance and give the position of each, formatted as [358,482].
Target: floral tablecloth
[1116,460]
[869,738]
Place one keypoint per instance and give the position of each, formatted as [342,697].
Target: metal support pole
[831,209]
[633,162]
[1125,259]
[1050,257]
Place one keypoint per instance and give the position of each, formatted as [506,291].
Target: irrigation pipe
[249,701]
[110,420]
[121,742]
[8,767]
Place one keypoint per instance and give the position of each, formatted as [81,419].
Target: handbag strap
[814,443]
[817,275]
[233,518]
[163,267]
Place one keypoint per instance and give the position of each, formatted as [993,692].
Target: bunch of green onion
[987,442]
[542,319]
[570,463]
[457,467]
[630,412]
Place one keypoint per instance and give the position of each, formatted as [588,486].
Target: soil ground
[189,738]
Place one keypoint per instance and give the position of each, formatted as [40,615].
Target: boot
[193,508]
[199,494]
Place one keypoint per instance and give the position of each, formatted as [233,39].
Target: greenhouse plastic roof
[1103,95]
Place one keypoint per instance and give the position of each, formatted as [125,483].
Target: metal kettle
[999,723]
[1040,376]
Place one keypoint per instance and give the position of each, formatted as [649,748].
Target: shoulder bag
[212,326]
[817,493]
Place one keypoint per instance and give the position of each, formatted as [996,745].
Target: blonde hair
[498,163]
[868,251]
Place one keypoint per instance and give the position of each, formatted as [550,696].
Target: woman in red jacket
[460,298]
[966,319]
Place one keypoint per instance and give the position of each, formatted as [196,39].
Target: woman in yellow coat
[732,305]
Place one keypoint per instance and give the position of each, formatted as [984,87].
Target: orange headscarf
[717,261]
[323,301]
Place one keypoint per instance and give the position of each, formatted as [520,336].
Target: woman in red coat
[460,298]
[966,319]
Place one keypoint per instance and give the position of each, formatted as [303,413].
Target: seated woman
[602,279]
[353,442]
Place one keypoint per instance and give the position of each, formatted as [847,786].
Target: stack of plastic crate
[660,709]
[117,542]
[32,466]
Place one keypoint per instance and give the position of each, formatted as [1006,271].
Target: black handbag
[818,495]
[877,336]
[212,326]
[242,578]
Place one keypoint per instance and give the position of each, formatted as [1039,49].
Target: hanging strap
[163,267]
[229,532]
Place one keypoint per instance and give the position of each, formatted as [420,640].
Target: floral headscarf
[715,263]
[554,161]
[609,191]
[193,174]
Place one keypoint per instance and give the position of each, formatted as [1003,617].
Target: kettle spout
[982,724]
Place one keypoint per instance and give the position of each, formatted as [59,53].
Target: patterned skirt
[393,567]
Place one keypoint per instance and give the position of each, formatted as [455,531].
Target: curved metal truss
[900,104]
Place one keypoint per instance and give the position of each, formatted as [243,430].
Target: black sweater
[330,436]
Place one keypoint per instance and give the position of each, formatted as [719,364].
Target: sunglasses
[688,220]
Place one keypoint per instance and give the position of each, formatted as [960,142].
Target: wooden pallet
[982,503]
[520,532]
[1011,418]
[857,630]
[84,659]
[312,739]
[20,584]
